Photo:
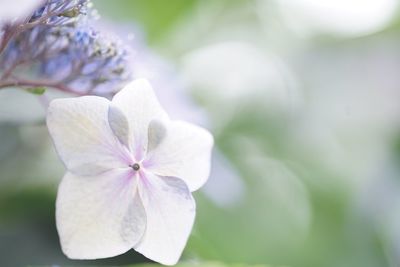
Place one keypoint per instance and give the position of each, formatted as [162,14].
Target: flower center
[135,166]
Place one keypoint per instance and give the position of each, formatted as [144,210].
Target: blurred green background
[303,98]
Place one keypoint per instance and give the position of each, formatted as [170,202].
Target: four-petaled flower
[130,174]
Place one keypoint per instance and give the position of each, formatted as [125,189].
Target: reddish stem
[43,83]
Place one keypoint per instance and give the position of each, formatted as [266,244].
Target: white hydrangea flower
[130,174]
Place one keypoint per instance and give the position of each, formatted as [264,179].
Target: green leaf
[36,90]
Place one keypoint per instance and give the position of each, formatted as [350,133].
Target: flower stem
[34,83]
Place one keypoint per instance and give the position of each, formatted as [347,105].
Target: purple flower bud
[59,45]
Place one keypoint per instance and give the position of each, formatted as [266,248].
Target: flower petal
[156,133]
[82,135]
[140,106]
[170,210]
[185,152]
[99,217]
[119,125]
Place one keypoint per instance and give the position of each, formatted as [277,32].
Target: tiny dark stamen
[135,166]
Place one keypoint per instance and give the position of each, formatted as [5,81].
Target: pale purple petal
[140,106]
[82,136]
[99,217]
[185,152]
[170,210]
